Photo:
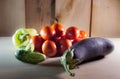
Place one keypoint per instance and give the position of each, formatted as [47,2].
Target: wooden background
[39,13]
[106,18]
[43,12]
[97,17]
[12,16]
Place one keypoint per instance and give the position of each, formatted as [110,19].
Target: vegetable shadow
[49,69]
[92,60]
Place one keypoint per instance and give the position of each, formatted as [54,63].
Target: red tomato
[83,34]
[56,40]
[59,31]
[37,41]
[63,45]
[49,48]
[76,40]
[72,32]
[63,37]
[47,32]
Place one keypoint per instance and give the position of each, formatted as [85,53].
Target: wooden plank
[39,13]
[12,16]
[74,13]
[106,18]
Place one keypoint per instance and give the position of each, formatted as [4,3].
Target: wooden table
[11,68]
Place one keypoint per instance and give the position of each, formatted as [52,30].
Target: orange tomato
[47,32]
[37,42]
[59,31]
[76,40]
[72,32]
[49,48]
[64,44]
[83,34]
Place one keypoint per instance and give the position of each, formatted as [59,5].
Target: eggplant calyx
[68,62]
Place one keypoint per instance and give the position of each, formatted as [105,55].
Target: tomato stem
[56,19]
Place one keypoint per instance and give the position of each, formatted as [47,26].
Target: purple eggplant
[85,50]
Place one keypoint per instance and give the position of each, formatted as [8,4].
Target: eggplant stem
[68,62]
[66,67]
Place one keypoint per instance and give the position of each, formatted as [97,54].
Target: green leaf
[31,31]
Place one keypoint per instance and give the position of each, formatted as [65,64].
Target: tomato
[72,32]
[37,42]
[76,40]
[47,32]
[83,34]
[63,37]
[63,45]
[56,40]
[59,31]
[49,48]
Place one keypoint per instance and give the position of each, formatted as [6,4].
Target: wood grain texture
[39,13]
[106,18]
[12,16]
[74,13]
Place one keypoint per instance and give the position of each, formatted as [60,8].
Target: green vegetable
[22,37]
[22,40]
[68,62]
[29,56]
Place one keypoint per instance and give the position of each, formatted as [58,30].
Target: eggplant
[85,50]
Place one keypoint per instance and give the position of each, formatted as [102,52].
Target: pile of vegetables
[72,45]
[52,41]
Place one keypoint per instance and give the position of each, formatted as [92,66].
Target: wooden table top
[11,68]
